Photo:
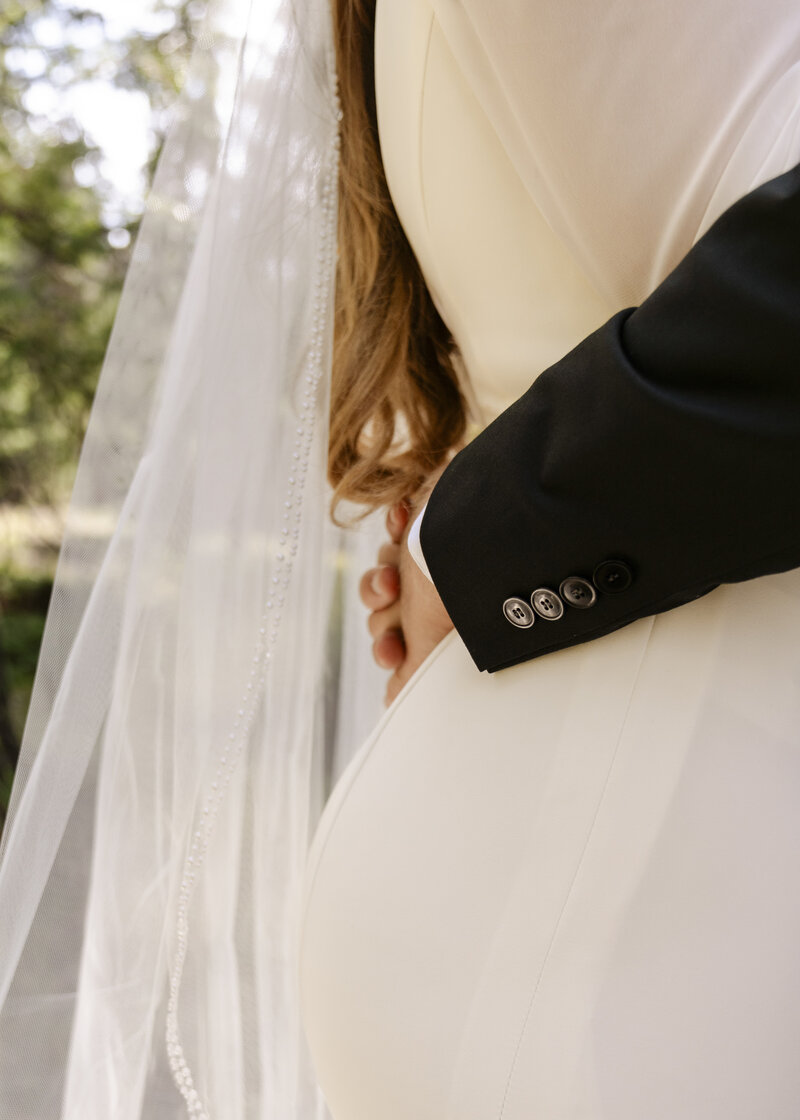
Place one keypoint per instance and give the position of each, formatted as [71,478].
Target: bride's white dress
[571,890]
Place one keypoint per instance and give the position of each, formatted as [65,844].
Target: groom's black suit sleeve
[667,442]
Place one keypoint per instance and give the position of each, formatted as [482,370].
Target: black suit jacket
[668,440]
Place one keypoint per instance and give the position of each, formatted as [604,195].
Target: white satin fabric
[568,890]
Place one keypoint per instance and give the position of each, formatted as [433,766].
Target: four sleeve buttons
[609,577]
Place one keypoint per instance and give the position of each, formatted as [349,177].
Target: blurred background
[85,96]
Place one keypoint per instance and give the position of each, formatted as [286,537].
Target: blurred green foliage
[23,604]
[59,283]
[60,274]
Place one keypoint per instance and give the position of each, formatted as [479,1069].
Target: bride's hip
[599,836]
[656,694]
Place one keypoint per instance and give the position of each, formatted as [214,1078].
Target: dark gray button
[578,592]
[612,576]
[518,613]
[547,604]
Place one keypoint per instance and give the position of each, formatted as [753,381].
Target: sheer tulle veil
[200,666]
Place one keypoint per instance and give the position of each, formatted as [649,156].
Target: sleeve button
[518,613]
[578,592]
[612,576]
[547,604]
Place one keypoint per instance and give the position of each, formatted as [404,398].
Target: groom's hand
[424,621]
[407,618]
[380,593]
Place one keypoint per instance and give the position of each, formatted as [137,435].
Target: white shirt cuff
[414,546]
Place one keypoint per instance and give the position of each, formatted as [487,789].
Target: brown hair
[396,405]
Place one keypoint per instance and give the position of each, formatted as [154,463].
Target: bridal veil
[181,734]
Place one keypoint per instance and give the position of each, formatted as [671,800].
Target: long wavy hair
[396,405]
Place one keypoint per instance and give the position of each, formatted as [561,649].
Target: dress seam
[419,122]
[574,878]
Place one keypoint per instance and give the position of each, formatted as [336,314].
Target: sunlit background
[85,97]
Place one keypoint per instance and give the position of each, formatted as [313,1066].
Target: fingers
[396,521]
[387,619]
[379,591]
[389,650]
[379,587]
